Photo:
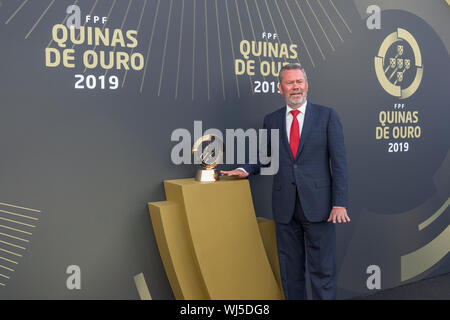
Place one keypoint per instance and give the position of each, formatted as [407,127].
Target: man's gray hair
[292,66]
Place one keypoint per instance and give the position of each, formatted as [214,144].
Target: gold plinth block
[210,242]
[268,235]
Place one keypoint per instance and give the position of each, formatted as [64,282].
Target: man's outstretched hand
[234,173]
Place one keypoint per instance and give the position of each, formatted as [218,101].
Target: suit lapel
[307,126]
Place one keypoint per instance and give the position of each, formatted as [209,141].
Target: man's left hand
[339,215]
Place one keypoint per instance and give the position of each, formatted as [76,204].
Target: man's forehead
[293,74]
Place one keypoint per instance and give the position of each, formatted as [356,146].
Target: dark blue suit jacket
[319,172]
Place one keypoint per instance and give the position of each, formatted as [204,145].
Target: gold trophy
[209,156]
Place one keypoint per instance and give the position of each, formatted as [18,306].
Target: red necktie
[294,137]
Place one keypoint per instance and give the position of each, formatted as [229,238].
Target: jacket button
[295,166]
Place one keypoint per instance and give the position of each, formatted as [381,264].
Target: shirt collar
[302,109]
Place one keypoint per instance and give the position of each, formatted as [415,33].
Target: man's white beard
[293,102]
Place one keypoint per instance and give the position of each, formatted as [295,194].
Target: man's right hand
[235,173]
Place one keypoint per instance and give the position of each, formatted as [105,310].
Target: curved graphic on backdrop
[422,259]
[434,216]
[419,261]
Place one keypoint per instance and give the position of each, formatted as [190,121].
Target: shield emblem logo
[400,50]
[407,64]
[393,62]
[399,76]
[400,63]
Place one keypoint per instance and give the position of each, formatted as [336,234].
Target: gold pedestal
[210,242]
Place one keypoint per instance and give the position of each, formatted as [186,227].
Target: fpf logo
[393,64]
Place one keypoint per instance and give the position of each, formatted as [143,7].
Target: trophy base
[206,175]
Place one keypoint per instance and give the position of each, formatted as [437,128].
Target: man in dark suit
[309,193]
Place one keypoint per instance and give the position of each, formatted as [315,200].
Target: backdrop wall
[85,129]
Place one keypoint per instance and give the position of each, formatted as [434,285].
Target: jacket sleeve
[338,161]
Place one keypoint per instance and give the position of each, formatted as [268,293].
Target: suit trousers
[300,242]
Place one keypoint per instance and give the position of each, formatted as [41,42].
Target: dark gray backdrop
[91,159]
